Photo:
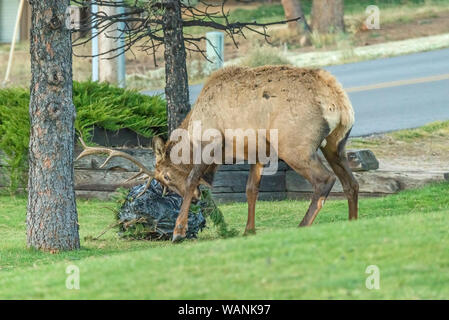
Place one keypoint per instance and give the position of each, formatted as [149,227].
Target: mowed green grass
[405,235]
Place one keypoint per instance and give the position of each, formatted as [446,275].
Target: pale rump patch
[336,107]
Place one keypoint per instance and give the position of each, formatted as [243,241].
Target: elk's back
[298,102]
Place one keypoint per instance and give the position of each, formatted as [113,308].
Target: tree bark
[107,43]
[176,80]
[52,220]
[293,9]
[328,16]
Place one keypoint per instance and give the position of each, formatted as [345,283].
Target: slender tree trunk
[293,9]
[327,16]
[52,220]
[176,80]
[108,43]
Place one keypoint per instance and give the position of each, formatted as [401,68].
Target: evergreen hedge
[97,104]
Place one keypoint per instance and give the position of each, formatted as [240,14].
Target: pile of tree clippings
[152,215]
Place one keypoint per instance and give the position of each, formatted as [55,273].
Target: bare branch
[144,24]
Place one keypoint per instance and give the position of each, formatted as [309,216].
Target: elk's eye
[166,177]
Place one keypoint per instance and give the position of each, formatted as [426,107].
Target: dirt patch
[425,154]
[427,24]
[421,27]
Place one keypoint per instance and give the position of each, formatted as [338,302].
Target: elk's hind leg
[252,190]
[335,154]
[310,167]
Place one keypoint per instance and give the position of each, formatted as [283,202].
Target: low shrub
[97,104]
[14,136]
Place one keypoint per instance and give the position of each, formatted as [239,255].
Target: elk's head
[173,176]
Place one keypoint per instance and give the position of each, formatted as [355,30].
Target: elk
[308,108]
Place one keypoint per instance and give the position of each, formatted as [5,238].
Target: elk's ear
[159,148]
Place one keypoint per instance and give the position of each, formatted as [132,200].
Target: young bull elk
[309,109]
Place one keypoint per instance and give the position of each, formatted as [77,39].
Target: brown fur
[308,107]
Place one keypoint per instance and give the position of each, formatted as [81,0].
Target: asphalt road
[392,93]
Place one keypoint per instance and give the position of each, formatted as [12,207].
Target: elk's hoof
[249,232]
[178,238]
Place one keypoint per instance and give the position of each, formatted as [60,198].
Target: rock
[362,160]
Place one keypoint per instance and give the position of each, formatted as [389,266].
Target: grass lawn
[405,235]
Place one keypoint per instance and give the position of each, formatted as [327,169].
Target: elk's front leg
[179,233]
[252,190]
[192,183]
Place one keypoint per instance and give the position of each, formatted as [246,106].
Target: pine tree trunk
[327,16]
[52,220]
[292,10]
[176,80]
